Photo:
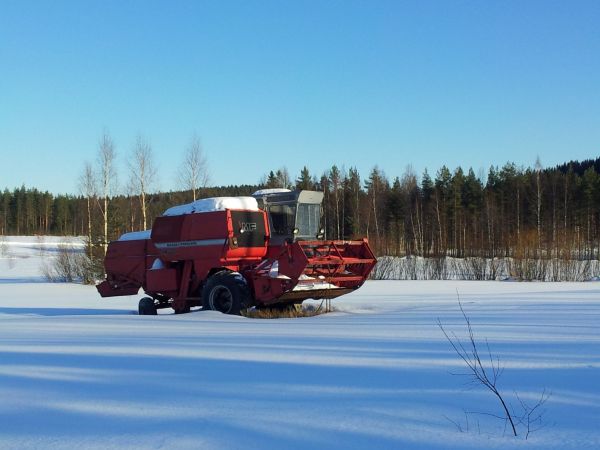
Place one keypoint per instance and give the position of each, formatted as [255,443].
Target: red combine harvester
[231,253]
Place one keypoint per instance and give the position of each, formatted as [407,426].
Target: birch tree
[87,186]
[107,177]
[283,178]
[335,180]
[143,173]
[538,200]
[193,173]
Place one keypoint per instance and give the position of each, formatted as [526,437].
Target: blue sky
[269,84]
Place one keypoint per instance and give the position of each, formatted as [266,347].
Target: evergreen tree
[304,181]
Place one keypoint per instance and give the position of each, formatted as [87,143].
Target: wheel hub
[221,299]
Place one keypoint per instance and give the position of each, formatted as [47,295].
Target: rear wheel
[226,292]
[147,307]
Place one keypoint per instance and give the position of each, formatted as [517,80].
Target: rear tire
[226,292]
[147,307]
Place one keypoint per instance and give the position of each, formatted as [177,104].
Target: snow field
[80,371]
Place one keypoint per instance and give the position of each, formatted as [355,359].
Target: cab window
[283,218]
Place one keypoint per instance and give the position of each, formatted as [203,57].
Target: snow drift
[213,204]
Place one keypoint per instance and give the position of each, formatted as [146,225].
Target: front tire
[147,307]
[226,292]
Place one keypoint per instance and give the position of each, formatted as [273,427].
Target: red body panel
[206,235]
[126,263]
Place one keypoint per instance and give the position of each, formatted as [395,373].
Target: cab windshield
[308,220]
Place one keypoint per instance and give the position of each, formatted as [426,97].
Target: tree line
[518,212]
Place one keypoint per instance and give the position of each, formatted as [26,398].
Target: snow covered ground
[78,371]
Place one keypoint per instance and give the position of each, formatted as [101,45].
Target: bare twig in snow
[480,374]
[487,374]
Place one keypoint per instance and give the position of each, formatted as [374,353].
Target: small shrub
[5,252]
[3,247]
[289,312]
[41,244]
[71,266]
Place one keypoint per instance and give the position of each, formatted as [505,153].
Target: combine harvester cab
[230,253]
